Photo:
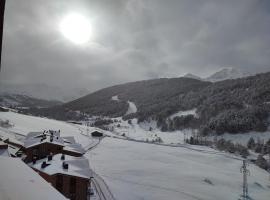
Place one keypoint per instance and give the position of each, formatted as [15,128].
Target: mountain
[16,100]
[238,105]
[43,91]
[221,75]
[227,73]
[189,75]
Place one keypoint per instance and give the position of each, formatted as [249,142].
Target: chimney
[63,157]
[51,138]
[43,165]
[65,165]
[50,157]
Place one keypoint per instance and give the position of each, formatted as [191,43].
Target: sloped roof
[20,182]
[36,138]
[78,166]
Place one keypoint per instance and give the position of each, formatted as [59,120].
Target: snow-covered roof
[77,166]
[4,152]
[4,149]
[77,148]
[68,142]
[20,182]
[13,150]
[37,138]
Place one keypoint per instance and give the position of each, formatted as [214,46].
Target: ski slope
[131,108]
[145,171]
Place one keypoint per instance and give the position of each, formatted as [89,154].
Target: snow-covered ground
[23,124]
[142,132]
[135,170]
[145,171]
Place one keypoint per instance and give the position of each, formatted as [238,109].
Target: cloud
[133,40]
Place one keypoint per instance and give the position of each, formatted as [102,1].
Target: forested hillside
[233,106]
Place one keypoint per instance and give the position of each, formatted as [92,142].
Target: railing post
[2,11]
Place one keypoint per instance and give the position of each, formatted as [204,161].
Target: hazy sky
[133,40]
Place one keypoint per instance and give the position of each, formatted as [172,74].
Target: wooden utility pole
[2,10]
[245,173]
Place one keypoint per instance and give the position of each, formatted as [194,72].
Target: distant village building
[69,175]
[97,134]
[20,182]
[38,145]
[3,109]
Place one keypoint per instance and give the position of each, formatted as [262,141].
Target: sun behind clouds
[76,28]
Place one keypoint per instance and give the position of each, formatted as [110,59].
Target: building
[15,147]
[38,145]
[20,182]
[97,134]
[69,175]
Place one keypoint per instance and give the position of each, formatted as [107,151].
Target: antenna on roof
[43,165]
[65,165]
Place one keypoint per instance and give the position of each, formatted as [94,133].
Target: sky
[132,40]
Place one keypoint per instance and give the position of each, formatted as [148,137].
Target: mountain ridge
[227,101]
[221,75]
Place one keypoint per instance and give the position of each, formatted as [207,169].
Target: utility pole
[2,11]
[245,173]
[269,160]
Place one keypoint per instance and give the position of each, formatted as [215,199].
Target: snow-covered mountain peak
[227,73]
[189,75]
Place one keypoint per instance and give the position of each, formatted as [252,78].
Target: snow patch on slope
[131,108]
[185,113]
[115,98]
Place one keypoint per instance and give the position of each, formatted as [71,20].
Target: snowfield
[146,171]
[136,170]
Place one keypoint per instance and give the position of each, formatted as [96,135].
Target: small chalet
[69,175]
[38,145]
[97,134]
